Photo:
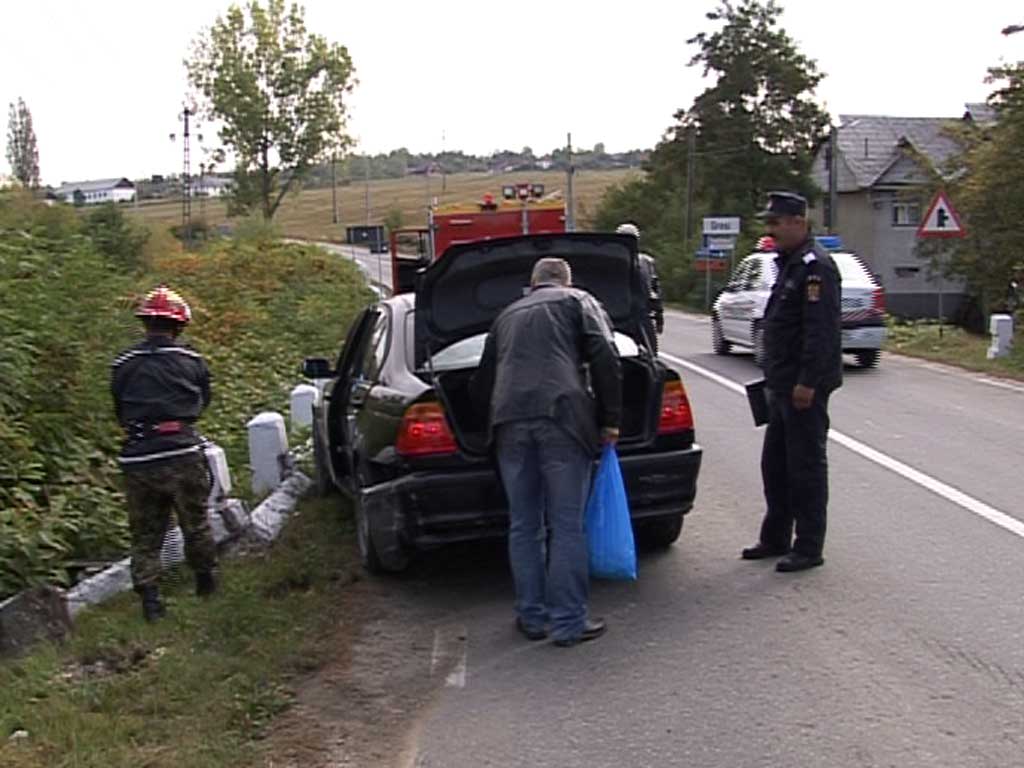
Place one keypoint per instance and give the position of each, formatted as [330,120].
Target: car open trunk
[641,397]
[459,296]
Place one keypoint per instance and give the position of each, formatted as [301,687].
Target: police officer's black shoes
[761,551]
[152,606]
[592,630]
[206,583]
[797,561]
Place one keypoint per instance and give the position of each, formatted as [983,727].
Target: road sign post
[941,221]
[717,246]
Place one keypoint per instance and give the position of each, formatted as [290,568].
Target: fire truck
[522,209]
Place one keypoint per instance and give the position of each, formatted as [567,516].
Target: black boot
[152,606]
[206,583]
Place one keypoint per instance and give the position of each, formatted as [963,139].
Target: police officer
[802,367]
[160,388]
[651,283]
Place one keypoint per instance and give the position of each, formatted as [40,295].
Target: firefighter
[651,283]
[160,387]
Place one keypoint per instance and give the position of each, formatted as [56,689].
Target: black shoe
[206,583]
[152,606]
[761,551]
[592,630]
[531,634]
[796,561]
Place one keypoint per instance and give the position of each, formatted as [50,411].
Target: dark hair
[162,325]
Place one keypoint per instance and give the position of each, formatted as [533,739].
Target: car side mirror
[317,368]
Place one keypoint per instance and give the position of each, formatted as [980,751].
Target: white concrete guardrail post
[303,398]
[268,446]
[1001,328]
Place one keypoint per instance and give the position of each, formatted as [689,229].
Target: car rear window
[852,269]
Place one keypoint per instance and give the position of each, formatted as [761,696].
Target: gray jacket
[533,364]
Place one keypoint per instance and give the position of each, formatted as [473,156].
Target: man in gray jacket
[548,427]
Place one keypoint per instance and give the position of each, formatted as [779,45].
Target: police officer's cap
[784,204]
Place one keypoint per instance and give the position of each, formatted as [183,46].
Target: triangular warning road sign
[942,220]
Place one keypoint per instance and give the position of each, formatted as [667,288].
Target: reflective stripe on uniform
[161,455]
[158,351]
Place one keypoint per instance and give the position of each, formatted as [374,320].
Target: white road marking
[450,643]
[931,365]
[939,488]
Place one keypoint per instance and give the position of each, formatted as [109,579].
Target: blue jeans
[547,479]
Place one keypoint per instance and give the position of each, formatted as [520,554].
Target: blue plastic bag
[609,531]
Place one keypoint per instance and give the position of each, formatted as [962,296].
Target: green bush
[67,288]
[115,236]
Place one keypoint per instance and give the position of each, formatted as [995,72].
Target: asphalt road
[906,649]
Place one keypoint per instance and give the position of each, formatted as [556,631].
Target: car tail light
[424,432]
[676,415]
[878,301]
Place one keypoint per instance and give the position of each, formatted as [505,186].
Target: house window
[906,213]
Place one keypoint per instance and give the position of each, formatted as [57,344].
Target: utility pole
[832,158]
[570,203]
[334,187]
[186,174]
[444,176]
[691,143]
[366,168]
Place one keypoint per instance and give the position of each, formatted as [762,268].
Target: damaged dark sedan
[396,429]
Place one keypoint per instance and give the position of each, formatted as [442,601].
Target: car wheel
[868,358]
[661,533]
[321,472]
[380,548]
[718,343]
[758,343]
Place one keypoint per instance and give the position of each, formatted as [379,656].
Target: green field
[307,214]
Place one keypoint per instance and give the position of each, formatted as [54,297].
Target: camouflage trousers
[182,487]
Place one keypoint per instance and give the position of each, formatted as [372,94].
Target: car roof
[852,268]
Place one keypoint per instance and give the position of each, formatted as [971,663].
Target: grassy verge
[197,689]
[954,346]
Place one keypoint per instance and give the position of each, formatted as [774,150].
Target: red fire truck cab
[523,209]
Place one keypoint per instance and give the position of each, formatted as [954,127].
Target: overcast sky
[104,79]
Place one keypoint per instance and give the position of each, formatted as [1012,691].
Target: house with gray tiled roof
[95,192]
[884,166]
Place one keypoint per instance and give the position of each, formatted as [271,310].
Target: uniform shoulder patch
[813,288]
[810,258]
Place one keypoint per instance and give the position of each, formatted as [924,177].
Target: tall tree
[757,126]
[753,130]
[278,92]
[988,189]
[22,151]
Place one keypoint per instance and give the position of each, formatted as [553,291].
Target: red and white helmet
[766,243]
[164,302]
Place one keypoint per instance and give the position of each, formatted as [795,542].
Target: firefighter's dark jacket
[802,322]
[532,364]
[160,388]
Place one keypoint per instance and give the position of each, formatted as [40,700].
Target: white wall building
[211,186]
[96,192]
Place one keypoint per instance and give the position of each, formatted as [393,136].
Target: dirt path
[361,708]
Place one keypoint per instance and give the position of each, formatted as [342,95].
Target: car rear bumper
[428,509]
[863,337]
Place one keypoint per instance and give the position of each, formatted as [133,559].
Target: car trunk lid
[462,293]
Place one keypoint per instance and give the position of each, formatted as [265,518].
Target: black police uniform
[802,345]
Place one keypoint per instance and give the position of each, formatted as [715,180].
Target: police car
[738,311]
